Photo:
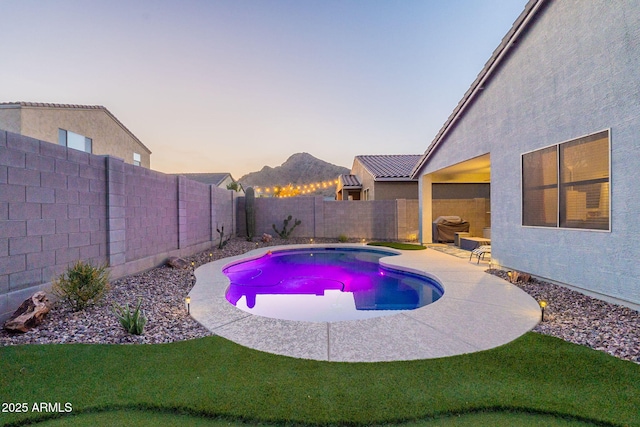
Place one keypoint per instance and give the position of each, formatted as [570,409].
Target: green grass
[141,418]
[536,378]
[398,245]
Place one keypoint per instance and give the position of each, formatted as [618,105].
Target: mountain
[299,169]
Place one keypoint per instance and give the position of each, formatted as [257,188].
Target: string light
[291,190]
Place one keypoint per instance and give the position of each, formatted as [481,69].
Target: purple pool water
[326,284]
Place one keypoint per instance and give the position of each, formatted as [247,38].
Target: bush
[81,285]
[343,239]
[131,322]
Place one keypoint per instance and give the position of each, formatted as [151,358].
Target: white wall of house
[574,72]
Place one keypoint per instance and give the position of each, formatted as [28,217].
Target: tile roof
[397,166]
[80,107]
[349,181]
[208,178]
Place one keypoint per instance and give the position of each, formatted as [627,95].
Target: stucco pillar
[425,208]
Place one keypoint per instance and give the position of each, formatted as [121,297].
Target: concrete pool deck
[478,311]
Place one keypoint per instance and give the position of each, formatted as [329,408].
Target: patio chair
[480,252]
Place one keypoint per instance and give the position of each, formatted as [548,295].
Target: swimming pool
[326,284]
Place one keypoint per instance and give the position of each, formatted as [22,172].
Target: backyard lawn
[535,380]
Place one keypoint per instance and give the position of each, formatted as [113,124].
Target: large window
[567,185]
[74,140]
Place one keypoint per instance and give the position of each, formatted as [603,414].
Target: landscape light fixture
[311,241]
[543,304]
[188,301]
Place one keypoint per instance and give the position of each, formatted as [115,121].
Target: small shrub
[81,285]
[284,233]
[131,322]
[343,239]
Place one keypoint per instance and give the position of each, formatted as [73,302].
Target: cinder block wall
[374,219]
[59,205]
[151,212]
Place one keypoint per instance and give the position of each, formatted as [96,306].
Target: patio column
[425,208]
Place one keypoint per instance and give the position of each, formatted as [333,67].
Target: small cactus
[250,212]
[285,233]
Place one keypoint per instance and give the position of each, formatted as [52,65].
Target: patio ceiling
[477,169]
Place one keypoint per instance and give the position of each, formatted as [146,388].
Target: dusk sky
[233,85]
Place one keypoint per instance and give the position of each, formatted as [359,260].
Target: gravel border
[570,315]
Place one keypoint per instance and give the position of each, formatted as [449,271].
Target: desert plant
[235,186]
[342,238]
[284,233]
[81,285]
[131,322]
[222,242]
[250,212]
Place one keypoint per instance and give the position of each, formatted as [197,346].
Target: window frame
[559,185]
[88,142]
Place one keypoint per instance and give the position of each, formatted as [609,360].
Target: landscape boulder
[30,313]
[266,238]
[179,263]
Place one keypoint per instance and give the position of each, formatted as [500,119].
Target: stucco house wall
[574,71]
[42,121]
[366,179]
[396,190]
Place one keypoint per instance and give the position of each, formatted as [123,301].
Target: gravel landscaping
[570,315]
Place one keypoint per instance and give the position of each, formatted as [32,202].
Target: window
[366,194]
[74,140]
[567,185]
[136,159]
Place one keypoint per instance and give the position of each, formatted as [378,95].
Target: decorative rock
[517,276]
[30,313]
[179,263]
[266,238]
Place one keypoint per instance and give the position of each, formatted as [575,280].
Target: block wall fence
[371,219]
[59,205]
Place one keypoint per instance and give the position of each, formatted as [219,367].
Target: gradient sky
[233,85]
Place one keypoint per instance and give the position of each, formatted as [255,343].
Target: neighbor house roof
[395,167]
[349,181]
[509,41]
[209,178]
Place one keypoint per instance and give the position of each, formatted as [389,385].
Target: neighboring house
[221,180]
[89,128]
[552,122]
[379,177]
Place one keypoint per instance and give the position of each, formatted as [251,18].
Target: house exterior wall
[575,71]
[43,123]
[10,120]
[389,190]
[366,179]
